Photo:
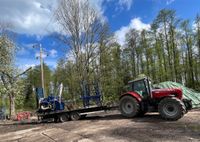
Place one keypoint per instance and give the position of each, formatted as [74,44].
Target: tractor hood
[159,93]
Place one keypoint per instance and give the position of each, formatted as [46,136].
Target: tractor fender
[169,96]
[132,94]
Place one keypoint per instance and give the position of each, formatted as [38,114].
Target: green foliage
[33,80]
[166,51]
[7,51]
[112,73]
[163,53]
[10,84]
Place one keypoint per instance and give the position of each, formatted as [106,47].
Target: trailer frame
[59,115]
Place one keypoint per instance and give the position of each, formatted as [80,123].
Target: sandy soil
[106,126]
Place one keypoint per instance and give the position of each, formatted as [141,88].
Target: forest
[168,51]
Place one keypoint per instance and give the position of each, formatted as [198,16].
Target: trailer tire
[83,116]
[171,108]
[63,118]
[129,106]
[56,119]
[75,116]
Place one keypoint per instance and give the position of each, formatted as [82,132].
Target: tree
[166,21]
[132,39]
[146,50]
[65,74]
[85,32]
[9,79]
[164,52]
[187,42]
[197,39]
[159,54]
[33,80]
[197,22]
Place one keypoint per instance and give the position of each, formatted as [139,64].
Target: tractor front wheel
[171,108]
[129,106]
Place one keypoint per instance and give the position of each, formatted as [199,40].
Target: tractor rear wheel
[129,106]
[171,108]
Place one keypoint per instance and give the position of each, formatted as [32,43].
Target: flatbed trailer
[66,115]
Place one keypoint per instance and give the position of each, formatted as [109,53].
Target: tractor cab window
[140,88]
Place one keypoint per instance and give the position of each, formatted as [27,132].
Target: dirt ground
[106,127]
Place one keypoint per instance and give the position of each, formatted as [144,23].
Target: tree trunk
[198,35]
[12,106]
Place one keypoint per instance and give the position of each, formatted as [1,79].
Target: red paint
[160,93]
[23,115]
[134,94]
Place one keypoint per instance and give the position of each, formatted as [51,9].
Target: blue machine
[51,103]
[91,93]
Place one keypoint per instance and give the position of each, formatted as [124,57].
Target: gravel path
[110,126]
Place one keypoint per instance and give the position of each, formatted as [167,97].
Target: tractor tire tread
[136,106]
[182,109]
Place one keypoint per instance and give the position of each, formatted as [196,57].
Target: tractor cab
[143,87]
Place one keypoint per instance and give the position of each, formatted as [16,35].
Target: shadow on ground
[145,118]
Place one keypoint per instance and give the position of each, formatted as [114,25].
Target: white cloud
[29,45]
[125,4]
[120,35]
[22,51]
[53,53]
[29,16]
[25,63]
[37,55]
[26,66]
[98,5]
[169,2]
[35,17]
[51,63]
[136,24]
[69,56]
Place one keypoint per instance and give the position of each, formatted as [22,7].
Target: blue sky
[33,22]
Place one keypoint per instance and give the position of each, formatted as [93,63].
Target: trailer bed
[56,114]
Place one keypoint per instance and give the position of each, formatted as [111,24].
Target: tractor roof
[137,79]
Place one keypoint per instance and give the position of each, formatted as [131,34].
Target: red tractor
[142,98]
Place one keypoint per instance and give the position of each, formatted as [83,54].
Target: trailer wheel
[171,108]
[129,106]
[63,118]
[56,119]
[75,116]
[83,116]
